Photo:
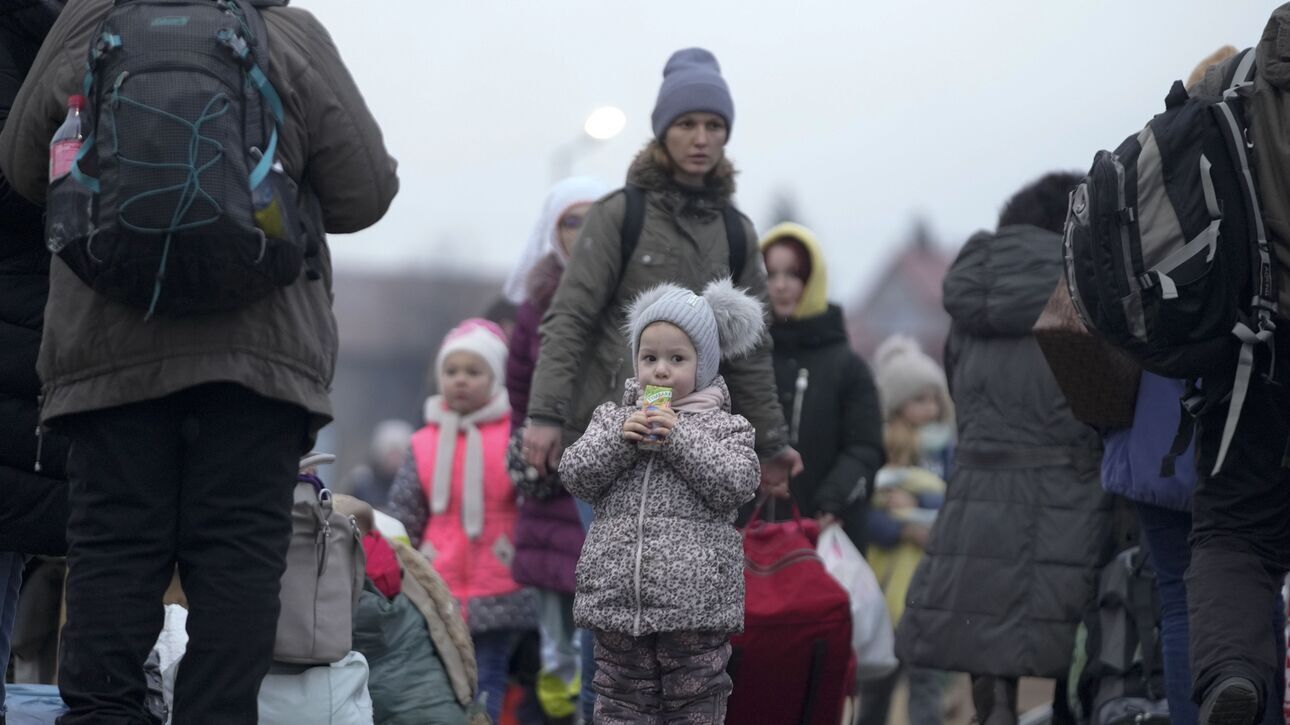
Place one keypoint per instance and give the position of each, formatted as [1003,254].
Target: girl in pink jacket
[456,499]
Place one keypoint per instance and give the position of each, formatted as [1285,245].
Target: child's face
[924,409]
[465,382]
[666,357]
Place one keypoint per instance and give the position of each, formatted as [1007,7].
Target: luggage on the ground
[1165,248]
[793,662]
[176,202]
[1118,669]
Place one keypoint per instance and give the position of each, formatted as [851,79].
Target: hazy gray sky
[866,113]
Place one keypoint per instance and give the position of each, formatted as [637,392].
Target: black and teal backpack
[183,123]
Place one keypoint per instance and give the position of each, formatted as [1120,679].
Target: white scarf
[451,423]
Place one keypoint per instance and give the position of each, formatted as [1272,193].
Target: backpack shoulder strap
[1243,70]
[737,238]
[633,221]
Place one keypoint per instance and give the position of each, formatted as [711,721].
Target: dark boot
[995,699]
[1234,701]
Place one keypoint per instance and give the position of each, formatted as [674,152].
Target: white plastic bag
[335,694]
[872,636]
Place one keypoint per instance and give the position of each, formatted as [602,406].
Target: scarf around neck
[451,424]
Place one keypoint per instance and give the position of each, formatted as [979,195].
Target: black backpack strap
[1191,405]
[737,239]
[1243,71]
[633,222]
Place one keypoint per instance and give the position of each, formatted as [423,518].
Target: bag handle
[755,518]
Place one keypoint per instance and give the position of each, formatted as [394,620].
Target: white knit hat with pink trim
[482,337]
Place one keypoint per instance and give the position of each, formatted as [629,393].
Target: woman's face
[569,225]
[696,142]
[783,281]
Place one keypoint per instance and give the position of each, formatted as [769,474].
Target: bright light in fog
[605,123]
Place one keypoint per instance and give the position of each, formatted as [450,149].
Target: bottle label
[61,156]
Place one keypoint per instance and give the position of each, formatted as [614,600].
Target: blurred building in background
[390,326]
[905,298]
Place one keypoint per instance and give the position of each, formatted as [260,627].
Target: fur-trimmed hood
[718,191]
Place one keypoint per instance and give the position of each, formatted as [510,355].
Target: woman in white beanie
[660,581]
[549,532]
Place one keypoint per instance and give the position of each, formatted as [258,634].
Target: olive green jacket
[585,359]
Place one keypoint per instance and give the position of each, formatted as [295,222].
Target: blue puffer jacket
[1132,456]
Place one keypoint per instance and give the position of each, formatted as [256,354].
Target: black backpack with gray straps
[176,203]
[1165,250]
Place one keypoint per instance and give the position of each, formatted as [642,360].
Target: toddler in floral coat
[660,580]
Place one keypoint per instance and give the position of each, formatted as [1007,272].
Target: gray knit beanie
[723,322]
[692,82]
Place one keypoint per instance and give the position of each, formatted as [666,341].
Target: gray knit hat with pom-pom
[723,323]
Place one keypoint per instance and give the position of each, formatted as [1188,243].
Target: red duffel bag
[793,663]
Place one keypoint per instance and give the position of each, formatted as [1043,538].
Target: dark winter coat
[98,354]
[1131,462]
[584,357]
[662,554]
[548,533]
[1013,558]
[839,428]
[33,518]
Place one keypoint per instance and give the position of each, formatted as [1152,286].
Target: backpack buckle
[237,45]
[1126,216]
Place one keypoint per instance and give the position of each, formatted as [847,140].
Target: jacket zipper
[799,395]
[640,545]
[40,436]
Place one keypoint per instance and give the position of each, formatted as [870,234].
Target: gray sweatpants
[671,677]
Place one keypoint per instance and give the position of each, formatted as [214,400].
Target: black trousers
[202,478]
[1241,537]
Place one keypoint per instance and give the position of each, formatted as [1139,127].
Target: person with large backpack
[1177,250]
[674,221]
[1240,540]
[189,337]
[1013,555]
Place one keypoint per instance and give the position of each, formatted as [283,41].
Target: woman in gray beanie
[685,236]
[686,231]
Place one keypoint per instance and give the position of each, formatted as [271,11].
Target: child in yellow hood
[827,392]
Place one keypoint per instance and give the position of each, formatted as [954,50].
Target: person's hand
[662,421]
[896,499]
[778,471]
[826,520]
[915,534]
[636,427]
[541,447]
[792,460]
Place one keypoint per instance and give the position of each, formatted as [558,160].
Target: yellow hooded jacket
[815,296]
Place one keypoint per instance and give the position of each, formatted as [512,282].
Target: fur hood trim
[648,173]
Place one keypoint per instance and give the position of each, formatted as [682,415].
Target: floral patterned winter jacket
[663,554]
